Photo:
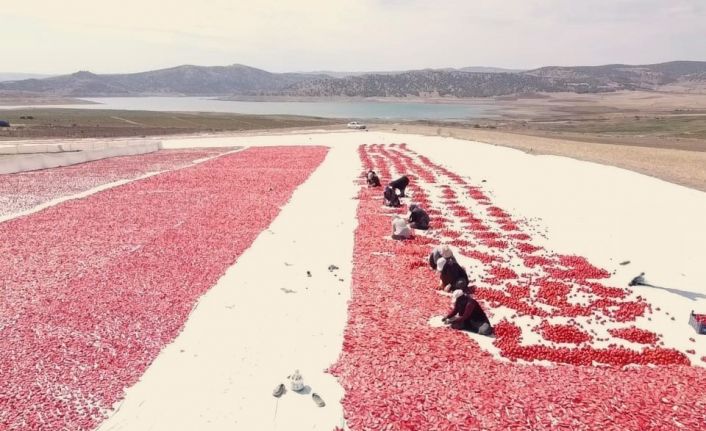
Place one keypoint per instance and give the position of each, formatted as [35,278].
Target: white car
[356,125]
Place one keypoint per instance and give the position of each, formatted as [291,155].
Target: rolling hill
[177,81]
[239,80]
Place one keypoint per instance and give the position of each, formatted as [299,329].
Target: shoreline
[41,101]
[68,123]
[658,100]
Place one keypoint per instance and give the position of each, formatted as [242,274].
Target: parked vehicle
[356,125]
[4,123]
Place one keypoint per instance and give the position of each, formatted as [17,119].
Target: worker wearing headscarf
[467,314]
[400,229]
[450,272]
[439,252]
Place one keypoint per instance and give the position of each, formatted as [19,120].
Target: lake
[337,109]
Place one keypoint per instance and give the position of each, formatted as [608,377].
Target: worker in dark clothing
[468,315]
[390,197]
[439,252]
[418,218]
[400,184]
[450,273]
[463,285]
[373,179]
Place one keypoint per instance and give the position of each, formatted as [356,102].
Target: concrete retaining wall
[44,146]
[70,153]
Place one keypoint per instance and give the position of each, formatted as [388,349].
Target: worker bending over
[400,229]
[373,179]
[400,184]
[450,273]
[439,252]
[390,198]
[418,218]
[467,314]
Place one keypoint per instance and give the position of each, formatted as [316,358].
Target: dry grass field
[89,123]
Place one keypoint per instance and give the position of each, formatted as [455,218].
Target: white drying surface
[263,319]
[607,214]
[235,351]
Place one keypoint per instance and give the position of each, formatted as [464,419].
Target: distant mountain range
[238,80]
[6,76]
[480,69]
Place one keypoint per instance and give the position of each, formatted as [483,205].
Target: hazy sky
[52,36]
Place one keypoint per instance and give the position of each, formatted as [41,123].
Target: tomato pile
[564,333]
[94,288]
[22,191]
[636,335]
[400,372]
[562,286]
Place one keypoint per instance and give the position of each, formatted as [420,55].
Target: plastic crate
[698,321]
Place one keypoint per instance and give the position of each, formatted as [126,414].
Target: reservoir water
[328,109]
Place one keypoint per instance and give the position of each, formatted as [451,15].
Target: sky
[110,36]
